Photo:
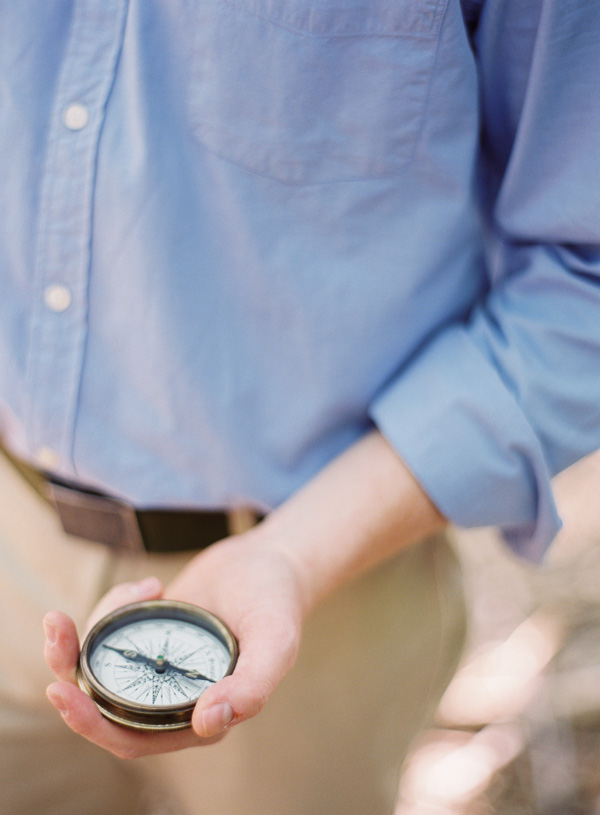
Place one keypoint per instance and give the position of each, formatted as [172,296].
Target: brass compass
[146,664]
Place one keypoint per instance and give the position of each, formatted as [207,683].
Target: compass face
[159,661]
[145,665]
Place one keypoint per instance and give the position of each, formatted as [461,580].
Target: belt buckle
[97,518]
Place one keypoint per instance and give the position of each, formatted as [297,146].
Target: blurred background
[518,731]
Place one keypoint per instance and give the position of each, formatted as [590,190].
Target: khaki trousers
[373,664]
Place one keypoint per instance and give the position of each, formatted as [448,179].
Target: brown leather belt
[96,516]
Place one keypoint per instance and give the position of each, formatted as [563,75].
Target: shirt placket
[62,264]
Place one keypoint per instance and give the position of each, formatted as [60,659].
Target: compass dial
[146,664]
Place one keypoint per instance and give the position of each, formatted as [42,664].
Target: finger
[61,649]
[151,588]
[267,652]
[84,718]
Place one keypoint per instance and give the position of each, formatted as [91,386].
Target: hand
[362,508]
[245,583]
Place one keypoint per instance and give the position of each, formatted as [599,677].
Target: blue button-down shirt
[234,234]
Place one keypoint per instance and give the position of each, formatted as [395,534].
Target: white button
[76,117]
[57,297]
[47,458]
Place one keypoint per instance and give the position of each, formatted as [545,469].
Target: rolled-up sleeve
[491,408]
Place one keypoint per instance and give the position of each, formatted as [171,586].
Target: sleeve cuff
[464,437]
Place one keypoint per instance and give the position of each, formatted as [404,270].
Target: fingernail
[216,718]
[50,631]
[145,586]
[57,700]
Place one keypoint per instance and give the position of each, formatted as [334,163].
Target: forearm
[362,508]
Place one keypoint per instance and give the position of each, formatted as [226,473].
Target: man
[332,262]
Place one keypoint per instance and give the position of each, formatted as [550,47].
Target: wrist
[363,507]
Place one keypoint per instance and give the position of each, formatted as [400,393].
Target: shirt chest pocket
[311,91]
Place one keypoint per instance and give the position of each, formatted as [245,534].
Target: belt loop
[241,519]
[97,518]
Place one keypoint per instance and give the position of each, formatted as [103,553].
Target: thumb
[267,652]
